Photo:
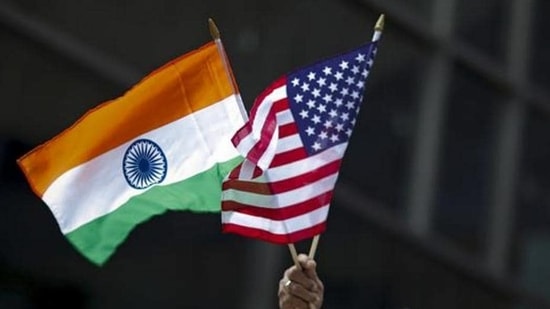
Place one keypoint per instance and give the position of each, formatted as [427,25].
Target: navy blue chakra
[144,164]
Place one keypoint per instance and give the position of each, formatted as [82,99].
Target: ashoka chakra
[144,164]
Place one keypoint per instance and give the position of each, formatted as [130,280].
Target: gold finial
[379,24]
[214,32]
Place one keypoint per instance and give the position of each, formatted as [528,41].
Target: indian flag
[164,145]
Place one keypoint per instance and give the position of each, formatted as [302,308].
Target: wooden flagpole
[313,247]
[215,33]
[294,255]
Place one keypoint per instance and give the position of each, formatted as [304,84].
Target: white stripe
[247,170]
[191,145]
[246,144]
[259,121]
[269,153]
[283,227]
[264,109]
[249,142]
[304,165]
[284,117]
[290,142]
[283,199]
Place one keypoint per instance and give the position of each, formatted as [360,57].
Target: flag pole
[294,255]
[313,247]
[378,28]
[215,33]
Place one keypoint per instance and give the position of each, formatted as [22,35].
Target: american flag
[293,144]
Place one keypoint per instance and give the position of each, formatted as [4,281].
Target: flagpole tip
[214,32]
[379,24]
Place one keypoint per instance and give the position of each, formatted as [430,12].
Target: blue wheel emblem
[144,164]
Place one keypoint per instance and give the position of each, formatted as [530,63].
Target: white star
[348,132]
[316,119]
[298,98]
[327,98]
[321,108]
[327,70]
[334,138]
[316,146]
[311,76]
[355,94]
[344,116]
[365,73]
[304,114]
[310,131]
[305,87]
[338,75]
[350,105]
[360,58]
[339,127]
[327,124]
[295,82]
[323,135]
[344,91]
[333,87]
[333,113]
[310,104]
[355,69]
[370,62]
[343,65]
[316,92]
[360,84]
[350,80]
[321,81]
[338,102]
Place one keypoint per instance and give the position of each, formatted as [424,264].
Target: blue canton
[325,98]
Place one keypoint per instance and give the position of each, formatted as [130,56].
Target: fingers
[303,259]
[300,277]
[287,298]
[309,267]
[301,292]
[305,288]
[305,284]
[288,301]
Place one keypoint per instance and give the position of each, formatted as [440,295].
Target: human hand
[301,288]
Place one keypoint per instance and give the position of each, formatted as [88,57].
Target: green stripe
[98,239]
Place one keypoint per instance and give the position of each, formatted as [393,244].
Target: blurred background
[443,200]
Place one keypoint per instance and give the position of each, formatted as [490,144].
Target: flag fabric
[293,144]
[164,145]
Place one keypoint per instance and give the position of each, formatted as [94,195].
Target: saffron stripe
[162,93]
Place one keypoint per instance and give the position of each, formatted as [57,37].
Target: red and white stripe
[257,139]
[289,201]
